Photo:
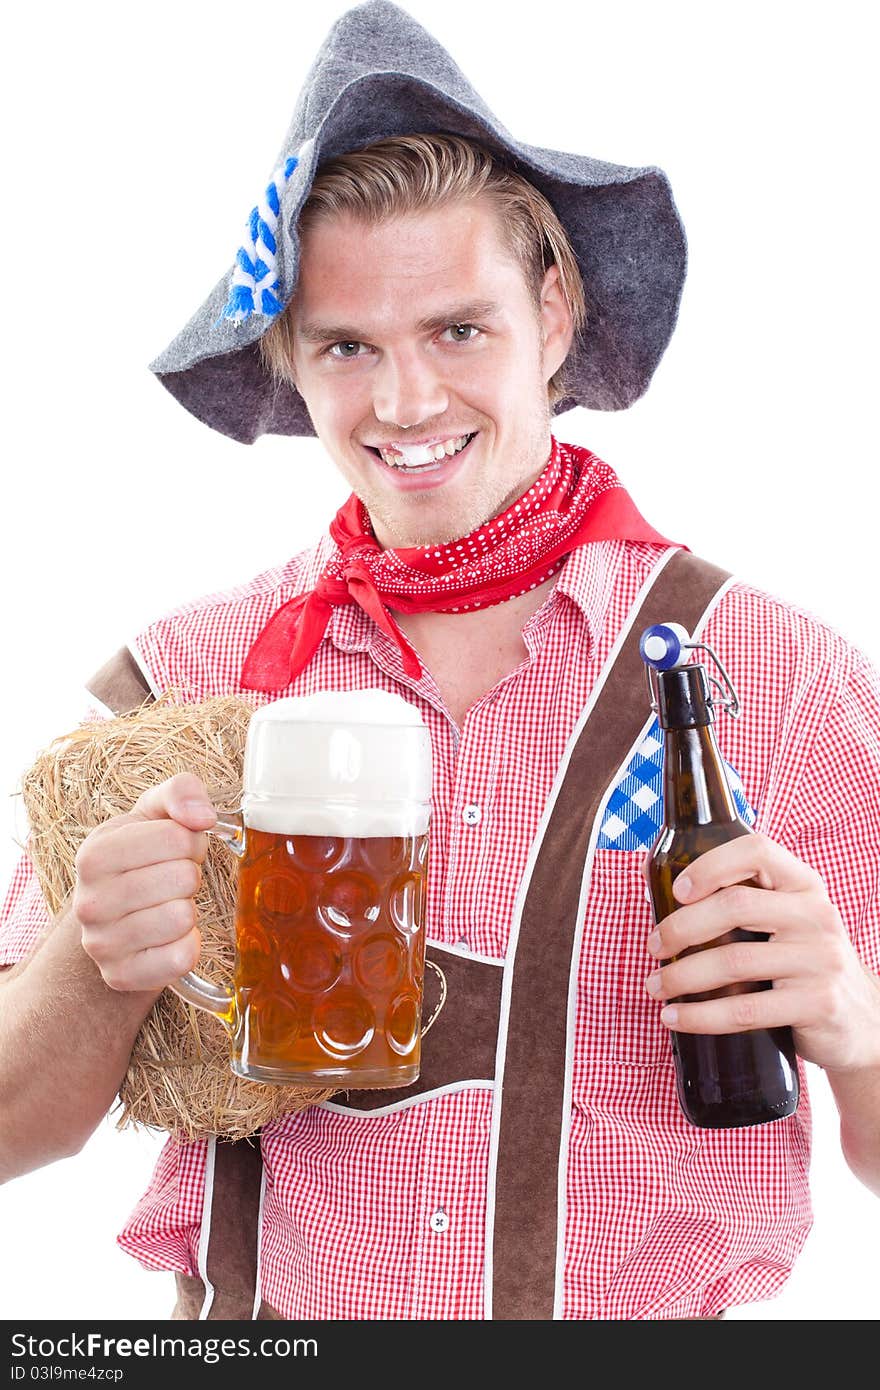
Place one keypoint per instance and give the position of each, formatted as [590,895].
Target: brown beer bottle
[738,1078]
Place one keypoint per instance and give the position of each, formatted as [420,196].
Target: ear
[557,327]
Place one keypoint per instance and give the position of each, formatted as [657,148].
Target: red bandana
[576,499]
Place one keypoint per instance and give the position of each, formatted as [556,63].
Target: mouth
[416,460]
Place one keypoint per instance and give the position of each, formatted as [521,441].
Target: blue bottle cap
[663,646]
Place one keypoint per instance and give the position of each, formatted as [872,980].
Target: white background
[140,137]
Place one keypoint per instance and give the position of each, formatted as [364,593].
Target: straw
[179,1078]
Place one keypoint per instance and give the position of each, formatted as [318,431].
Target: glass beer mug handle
[216,999]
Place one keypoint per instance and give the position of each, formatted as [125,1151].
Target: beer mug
[332,839]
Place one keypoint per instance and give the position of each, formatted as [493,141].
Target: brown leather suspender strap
[233,1183]
[532,1097]
[119,684]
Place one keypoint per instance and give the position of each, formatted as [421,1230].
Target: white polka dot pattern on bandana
[508,556]
[527,543]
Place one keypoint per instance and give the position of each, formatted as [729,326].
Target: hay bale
[179,1078]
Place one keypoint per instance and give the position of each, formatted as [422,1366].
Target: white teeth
[418,455]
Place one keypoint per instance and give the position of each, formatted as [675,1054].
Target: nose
[407,390]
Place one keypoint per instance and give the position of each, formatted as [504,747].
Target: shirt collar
[586,580]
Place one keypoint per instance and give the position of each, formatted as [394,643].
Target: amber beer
[332,842]
[330,947]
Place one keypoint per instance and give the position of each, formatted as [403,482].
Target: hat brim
[622,223]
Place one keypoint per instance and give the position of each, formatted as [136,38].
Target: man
[426,341]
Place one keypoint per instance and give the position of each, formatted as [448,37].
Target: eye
[456,329]
[343,350]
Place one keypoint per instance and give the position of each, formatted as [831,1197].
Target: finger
[183,798]
[748,856]
[736,963]
[157,966]
[148,887]
[739,907]
[122,845]
[736,1013]
[139,931]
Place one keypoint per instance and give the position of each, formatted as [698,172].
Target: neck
[385,539]
[469,653]
[498,625]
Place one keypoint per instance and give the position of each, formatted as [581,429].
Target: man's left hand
[821,989]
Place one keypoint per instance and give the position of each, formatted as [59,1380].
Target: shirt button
[439,1220]
[472,815]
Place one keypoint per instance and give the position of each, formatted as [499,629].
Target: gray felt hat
[377,74]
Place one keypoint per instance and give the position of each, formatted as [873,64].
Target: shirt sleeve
[24,916]
[835,817]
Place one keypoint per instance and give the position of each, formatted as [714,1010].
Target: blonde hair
[409,173]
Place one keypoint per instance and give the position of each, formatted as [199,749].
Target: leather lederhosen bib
[484,1033]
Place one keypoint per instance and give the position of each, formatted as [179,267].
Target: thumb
[183,798]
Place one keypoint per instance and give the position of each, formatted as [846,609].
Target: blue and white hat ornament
[254,288]
[379,74]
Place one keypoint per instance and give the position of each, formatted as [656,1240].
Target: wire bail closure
[662,647]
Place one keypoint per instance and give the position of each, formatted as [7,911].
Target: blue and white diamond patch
[634,813]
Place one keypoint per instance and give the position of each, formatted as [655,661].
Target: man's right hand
[137,876]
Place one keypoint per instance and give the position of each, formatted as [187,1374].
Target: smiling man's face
[422,331]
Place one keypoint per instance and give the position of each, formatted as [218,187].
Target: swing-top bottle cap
[684,703]
[664,646]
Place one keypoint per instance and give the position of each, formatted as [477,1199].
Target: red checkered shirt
[383,1215]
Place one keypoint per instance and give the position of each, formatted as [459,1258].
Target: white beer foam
[360,821]
[340,707]
[338,763]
